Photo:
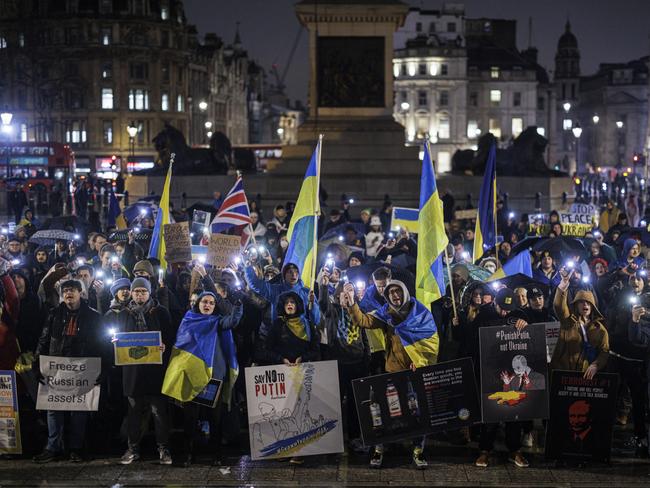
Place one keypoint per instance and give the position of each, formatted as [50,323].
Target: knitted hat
[375,220]
[141,283]
[145,266]
[505,299]
[119,284]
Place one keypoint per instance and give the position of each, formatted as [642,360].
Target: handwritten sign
[178,246]
[69,383]
[223,249]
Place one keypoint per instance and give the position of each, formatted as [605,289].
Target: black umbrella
[640,232]
[142,236]
[521,280]
[561,246]
[528,243]
[67,222]
[364,273]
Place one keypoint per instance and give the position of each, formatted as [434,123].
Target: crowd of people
[65,299]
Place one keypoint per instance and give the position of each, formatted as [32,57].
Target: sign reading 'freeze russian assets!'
[69,383]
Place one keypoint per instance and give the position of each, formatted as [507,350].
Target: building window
[422,69]
[107,36]
[106,6]
[138,99]
[164,13]
[418,27]
[403,69]
[495,128]
[21,40]
[444,69]
[422,98]
[3,43]
[107,71]
[138,7]
[541,103]
[472,129]
[75,131]
[138,71]
[451,27]
[432,27]
[473,99]
[23,132]
[573,92]
[73,98]
[107,98]
[494,72]
[567,124]
[180,104]
[165,72]
[443,127]
[180,74]
[516,99]
[517,126]
[444,98]
[108,132]
[495,97]
[444,162]
[164,39]
[164,102]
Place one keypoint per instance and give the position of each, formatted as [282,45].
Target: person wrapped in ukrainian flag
[204,350]
[411,341]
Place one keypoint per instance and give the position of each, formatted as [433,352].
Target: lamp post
[6,118]
[133,131]
[577,132]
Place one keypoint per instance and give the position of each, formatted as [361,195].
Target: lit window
[444,162]
[517,126]
[108,132]
[107,70]
[395,70]
[107,98]
[23,132]
[180,105]
[494,72]
[21,40]
[472,129]
[3,43]
[75,132]
[164,102]
[495,128]
[495,96]
[107,36]
[138,99]
[567,124]
[164,13]
[412,69]
[443,127]
[541,131]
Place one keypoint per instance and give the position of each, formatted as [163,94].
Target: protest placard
[466,214]
[514,382]
[294,410]
[10,442]
[223,249]
[69,383]
[582,415]
[200,222]
[406,404]
[178,245]
[552,335]
[134,348]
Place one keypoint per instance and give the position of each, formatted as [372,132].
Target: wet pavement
[448,466]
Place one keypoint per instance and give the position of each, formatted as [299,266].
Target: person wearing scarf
[142,384]
[204,350]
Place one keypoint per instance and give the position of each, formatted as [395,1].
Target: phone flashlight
[496,285]
[634,300]
[191,234]
[136,229]
[465,255]
[329,255]
[99,274]
[202,259]
[115,259]
[643,223]
[76,237]
[360,284]
[643,273]
[261,249]
[143,211]
[80,261]
[511,215]
[206,230]
[237,260]
[570,264]
[340,238]
[112,331]
[391,235]
[109,281]
[5,231]
[585,279]
[351,201]
[15,261]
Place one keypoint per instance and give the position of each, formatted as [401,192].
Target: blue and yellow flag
[518,264]
[432,238]
[192,359]
[485,235]
[115,215]
[417,332]
[157,247]
[302,233]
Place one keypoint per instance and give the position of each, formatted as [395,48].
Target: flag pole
[250,226]
[316,213]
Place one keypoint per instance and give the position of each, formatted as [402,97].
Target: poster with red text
[294,410]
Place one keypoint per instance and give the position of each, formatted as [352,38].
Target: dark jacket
[31,317]
[619,318]
[147,379]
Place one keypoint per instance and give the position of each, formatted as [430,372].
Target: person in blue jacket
[271,291]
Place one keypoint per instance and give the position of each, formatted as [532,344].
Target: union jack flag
[233,213]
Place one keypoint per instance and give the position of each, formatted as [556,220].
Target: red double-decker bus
[38,166]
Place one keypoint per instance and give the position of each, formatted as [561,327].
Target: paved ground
[449,466]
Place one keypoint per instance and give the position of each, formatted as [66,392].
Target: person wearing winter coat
[9,319]
[31,315]
[374,237]
[142,383]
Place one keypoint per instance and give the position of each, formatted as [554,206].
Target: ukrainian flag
[157,247]
[190,365]
[518,264]
[432,239]
[485,235]
[115,215]
[302,233]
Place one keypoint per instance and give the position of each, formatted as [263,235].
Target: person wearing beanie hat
[502,311]
[143,268]
[374,237]
[120,284]
[355,259]
[139,283]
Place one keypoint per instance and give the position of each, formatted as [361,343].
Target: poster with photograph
[135,348]
[10,442]
[396,406]
[582,416]
[514,376]
[294,410]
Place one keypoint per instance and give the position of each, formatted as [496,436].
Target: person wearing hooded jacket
[401,312]
[271,291]
[142,384]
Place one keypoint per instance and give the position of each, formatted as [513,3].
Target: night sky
[607,30]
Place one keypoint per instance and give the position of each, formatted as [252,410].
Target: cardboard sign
[134,348]
[223,249]
[396,406]
[568,229]
[582,415]
[209,396]
[69,384]
[514,382]
[586,212]
[178,246]
[405,218]
[10,442]
[294,410]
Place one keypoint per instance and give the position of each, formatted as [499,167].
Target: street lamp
[203,105]
[405,106]
[208,125]
[566,106]
[577,132]
[133,131]
[595,118]
[619,124]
